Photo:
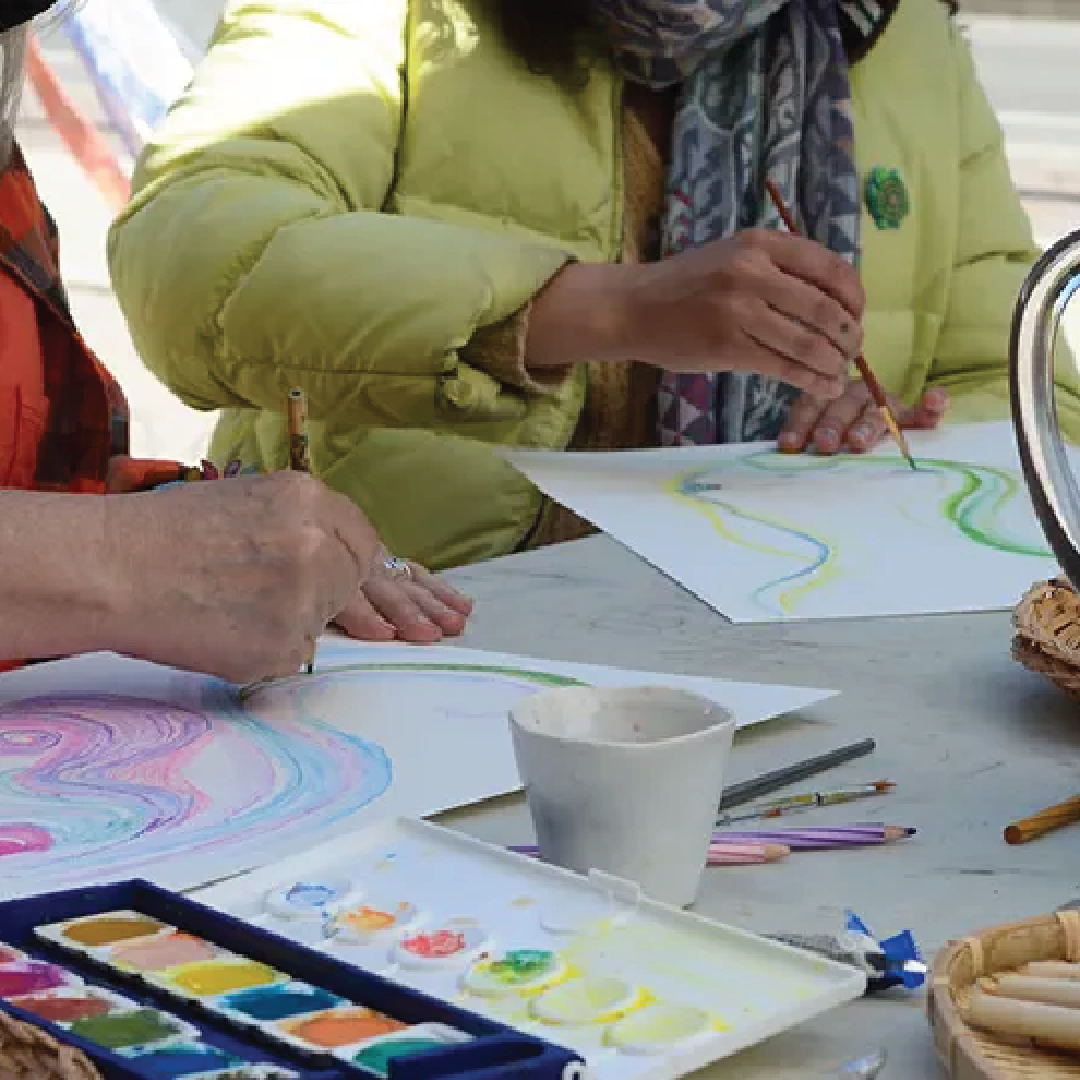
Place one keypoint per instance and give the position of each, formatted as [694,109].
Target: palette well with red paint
[153,986]
[640,990]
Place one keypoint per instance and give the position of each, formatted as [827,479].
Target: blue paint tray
[155,986]
[640,990]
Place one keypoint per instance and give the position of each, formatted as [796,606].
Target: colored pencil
[300,461]
[725,854]
[721,853]
[1053,817]
[797,804]
[819,838]
[868,376]
[767,783]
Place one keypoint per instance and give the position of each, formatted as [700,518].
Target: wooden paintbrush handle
[781,207]
[868,376]
[1054,817]
[872,384]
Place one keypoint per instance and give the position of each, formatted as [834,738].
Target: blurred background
[1027,52]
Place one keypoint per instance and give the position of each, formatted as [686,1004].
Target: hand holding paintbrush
[868,376]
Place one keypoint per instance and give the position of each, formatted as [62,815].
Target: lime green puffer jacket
[351,188]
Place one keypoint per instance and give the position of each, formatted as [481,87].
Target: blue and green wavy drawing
[972,505]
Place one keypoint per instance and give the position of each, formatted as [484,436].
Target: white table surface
[973,740]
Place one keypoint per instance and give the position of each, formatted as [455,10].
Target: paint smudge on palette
[25,977]
[95,932]
[657,1027]
[69,1005]
[337,1028]
[304,899]
[518,971]
[127,1032]
[163,954]
[577,915]
[361,924]
[586,1001]
[184,1059]
[447,945]
[280,1001]
[219,977]
[376,1056]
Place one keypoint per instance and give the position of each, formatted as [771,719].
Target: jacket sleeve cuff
[499,350]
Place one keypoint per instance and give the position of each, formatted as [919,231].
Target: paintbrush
[794,804]
[300,461]
[747,790]
[868,376]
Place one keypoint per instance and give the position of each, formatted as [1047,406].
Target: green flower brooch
[886,197]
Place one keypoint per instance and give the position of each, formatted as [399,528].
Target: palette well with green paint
[153,986]
[640,990]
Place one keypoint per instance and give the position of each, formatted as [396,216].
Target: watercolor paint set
[640,990]
[155,986]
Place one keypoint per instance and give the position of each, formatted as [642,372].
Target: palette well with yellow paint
[642,991]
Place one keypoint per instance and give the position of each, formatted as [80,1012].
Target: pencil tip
[910,831]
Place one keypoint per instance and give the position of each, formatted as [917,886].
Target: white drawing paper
[764,537]
[113,768]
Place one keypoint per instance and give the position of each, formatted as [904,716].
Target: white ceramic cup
[625,780]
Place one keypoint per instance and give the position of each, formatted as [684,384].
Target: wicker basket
[969,1054]
[1047,640]
[28,1053]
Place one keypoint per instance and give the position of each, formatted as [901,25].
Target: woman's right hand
[234,578]
[763,301]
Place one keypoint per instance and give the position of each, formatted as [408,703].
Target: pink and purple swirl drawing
[102,787]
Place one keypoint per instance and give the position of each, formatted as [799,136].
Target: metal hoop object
[1052,282]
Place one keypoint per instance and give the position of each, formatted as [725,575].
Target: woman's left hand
[419,608]
[853,421]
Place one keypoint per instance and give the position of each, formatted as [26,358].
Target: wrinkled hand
[421,608]
[853,421]
[761,301]
[235,577]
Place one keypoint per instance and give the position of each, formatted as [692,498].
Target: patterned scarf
[764,91]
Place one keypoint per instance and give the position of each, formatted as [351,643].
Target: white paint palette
[643,991]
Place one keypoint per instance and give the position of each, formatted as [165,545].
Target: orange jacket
[63,419]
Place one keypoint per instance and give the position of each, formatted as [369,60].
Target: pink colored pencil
[745,854]
[720,853]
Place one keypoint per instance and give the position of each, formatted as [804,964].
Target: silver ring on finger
[398,569]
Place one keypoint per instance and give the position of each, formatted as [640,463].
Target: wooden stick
[1049,1024]
[1064,992]
[865,371]
[1051,969]
[1053,817]
[300,461]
